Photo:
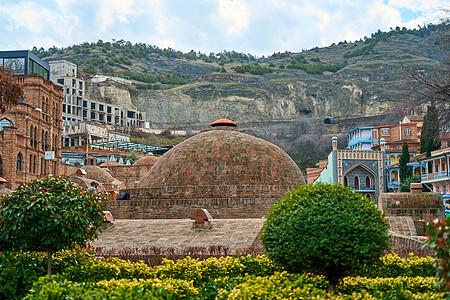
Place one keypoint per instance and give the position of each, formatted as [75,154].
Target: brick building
[29,129]
[229,173]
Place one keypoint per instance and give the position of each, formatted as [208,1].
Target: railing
[364,139]
[440,174]
[434,175]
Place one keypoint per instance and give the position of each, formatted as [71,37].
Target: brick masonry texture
[33,132]
[403,225]
[229,173]
[233,233]
[170,208]
[416,205]
[225,158]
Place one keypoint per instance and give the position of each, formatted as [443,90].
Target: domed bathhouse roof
[99,174]
[232,173]
[223,163]
[148,160]
[110,164]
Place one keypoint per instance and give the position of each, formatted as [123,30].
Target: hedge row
[280,285]
[18,271]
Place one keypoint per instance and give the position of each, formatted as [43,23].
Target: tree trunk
[49,262]
[331,287]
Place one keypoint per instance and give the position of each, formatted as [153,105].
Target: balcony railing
[435,175]
[358,140]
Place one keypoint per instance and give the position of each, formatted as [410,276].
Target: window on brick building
[407,132]
[35,138]
[31,136]
[1,166]
[30,168]
[19,162]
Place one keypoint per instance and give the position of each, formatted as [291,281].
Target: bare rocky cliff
[200,104]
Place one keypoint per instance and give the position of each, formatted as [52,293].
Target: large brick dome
[223,163]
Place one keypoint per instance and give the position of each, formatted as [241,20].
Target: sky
[258,27]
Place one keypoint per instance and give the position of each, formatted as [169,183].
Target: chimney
[202,219]
[415,187]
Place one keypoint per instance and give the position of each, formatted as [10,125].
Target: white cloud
[255,26]
[235,13]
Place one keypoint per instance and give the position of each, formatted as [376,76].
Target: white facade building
[78,110]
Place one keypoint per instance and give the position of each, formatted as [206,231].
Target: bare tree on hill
[432,87]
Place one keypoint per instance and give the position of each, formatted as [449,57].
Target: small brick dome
[223,163]
[148,160]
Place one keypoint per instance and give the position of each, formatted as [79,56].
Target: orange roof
[395,125]
[223,122]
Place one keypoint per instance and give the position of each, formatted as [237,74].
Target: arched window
[345,181]
[356,183]
[367,182]
[19,162]
[5,123]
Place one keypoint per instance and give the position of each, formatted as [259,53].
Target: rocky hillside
[282,97]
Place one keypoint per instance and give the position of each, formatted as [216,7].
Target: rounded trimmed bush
[325,229]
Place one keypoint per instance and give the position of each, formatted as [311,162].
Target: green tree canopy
[429,139]
[325,229]
[405,171]
[49,214]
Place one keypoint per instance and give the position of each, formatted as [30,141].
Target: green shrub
[278,286]
[374,285]
[57,288]
[18,270]
[392,265]
[325,229]
[259,265]
[111,268]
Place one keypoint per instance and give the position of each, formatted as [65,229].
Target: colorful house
[435,170]
[362,170]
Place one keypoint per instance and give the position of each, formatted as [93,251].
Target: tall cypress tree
[405,172]
[429,139]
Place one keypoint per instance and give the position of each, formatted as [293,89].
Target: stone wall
[416,205]
[219,208]
[129,175]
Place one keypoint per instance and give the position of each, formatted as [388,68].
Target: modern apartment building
[80,114]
